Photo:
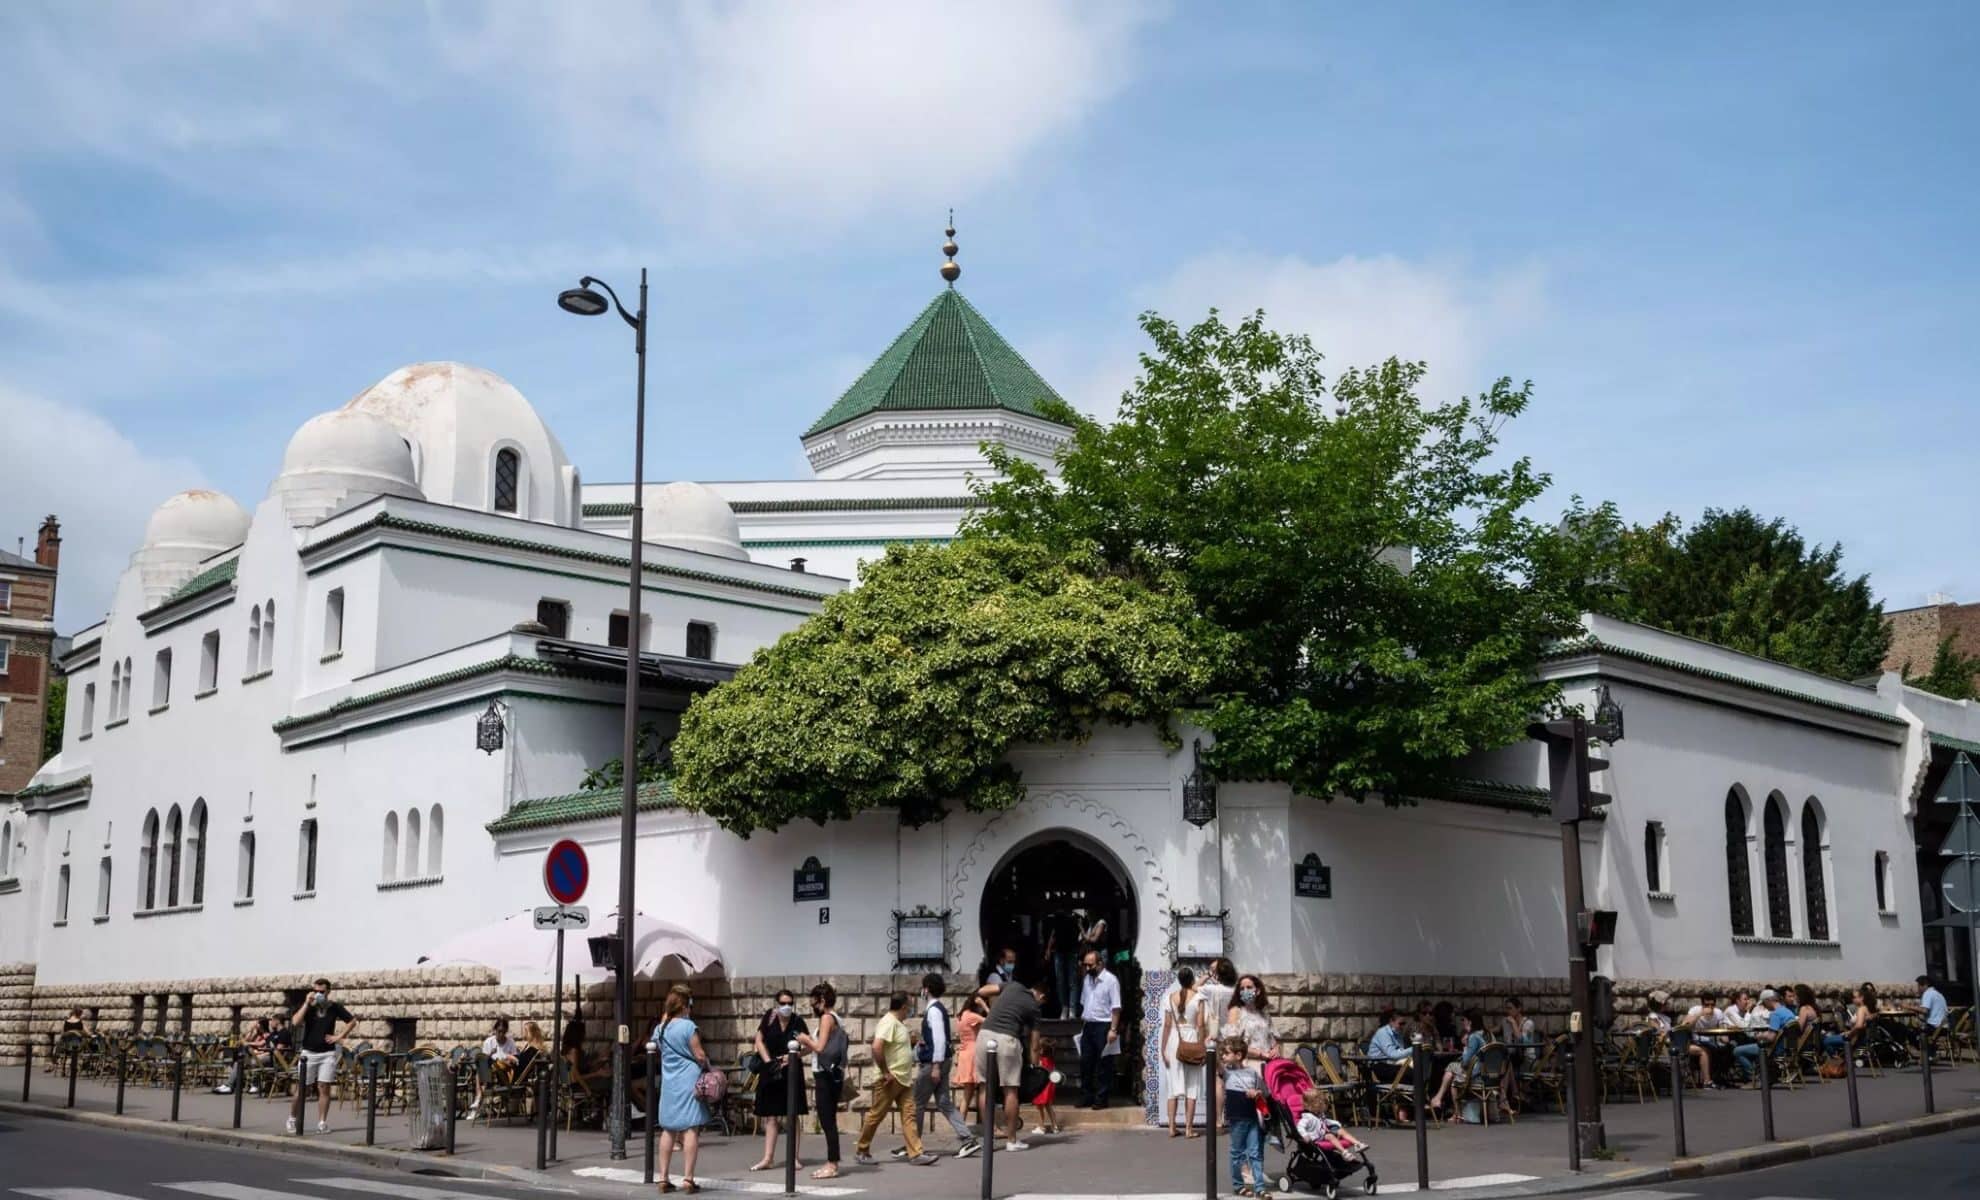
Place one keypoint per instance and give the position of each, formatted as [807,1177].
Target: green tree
[1952,675]
[1385,591]
[906,692]
[1737,580]
[51,717]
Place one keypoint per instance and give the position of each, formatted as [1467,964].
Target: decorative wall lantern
[1199,792]
[488,728]
[1608,723]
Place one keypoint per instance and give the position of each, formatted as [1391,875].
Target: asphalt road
[1934,1168]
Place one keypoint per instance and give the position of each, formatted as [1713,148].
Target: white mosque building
[270,766]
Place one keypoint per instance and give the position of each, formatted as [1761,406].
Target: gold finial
[950,271]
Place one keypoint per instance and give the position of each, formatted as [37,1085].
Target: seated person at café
[1931,1006]
[1475,1041]
[1709,1054]
[1389,1044]
[1758,1021]
[255,1052]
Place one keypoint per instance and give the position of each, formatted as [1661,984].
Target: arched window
[1653,858]
[175,836]
[268,636]
[244,868]
[6,848]
[1814,869]
[253,641]
[388,859]
[508,480]
[103,886]
[412,843]
[148,862]
[436,832]
[1780,904]
[196,833]
[1739,878]
[62,895]
[116,687]
[129,679]
[1883,865]
[89,708]
[306,857]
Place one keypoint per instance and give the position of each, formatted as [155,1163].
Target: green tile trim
[801,543]
[949,357]
[571,808]
[1953,743]
[350,704]
[216,576]
[386,520]
[46,789]
[1594,645]
[850,504]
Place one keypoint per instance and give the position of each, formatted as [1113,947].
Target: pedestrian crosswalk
[339,1187]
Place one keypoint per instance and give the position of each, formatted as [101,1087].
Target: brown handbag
[1190,1054]
[1833,1067]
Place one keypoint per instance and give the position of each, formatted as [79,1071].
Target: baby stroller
[1314,1167]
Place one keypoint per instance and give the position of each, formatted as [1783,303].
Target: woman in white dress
[1183,1021]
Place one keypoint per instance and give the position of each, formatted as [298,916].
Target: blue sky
[1734,250]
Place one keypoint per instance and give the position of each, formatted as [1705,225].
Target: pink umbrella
[523,953]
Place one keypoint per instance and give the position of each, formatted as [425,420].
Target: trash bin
[429,1107]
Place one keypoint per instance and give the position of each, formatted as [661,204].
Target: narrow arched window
[436,832]
[412,843]
[388,859]
[1653,858]
[129,679]
[175,836]
[1780,905]
[244,868]
[306,858]
[253,641]
[268,636]
[1814,856]
[116,687]
[88,709]
[1739,879]
[508,480]
[197,851]
[103,887]
[62,895]
[1883,865]
[148,862]
[6,849]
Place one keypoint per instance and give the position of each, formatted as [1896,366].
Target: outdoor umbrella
[523,953]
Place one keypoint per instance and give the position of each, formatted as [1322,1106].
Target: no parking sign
[566,872]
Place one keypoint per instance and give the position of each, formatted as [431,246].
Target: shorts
[321,1065]
[1010,1057]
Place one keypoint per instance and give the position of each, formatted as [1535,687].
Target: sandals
[666,1187]
[828,1171]
[690,1186]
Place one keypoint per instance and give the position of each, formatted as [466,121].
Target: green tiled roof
[211,577]
[950,357]
[594,805]
[1589,644]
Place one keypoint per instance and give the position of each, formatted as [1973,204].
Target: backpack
[712,1088]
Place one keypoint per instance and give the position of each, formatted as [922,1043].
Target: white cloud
[62,459]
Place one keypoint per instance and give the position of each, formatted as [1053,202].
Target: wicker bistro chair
[1544,1082]
[362,1063]
[1331,1074]
[278,1079]
[1953,1037]
[1394,1092]
[1483,1082]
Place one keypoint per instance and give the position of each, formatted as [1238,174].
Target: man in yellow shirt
[893,1088]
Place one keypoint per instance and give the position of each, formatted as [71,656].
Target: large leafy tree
[1739,580]
[1366,551]
[1954,675]
[907,692]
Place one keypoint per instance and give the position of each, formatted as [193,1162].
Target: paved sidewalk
[1530,1154]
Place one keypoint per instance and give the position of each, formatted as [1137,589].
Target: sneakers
[323,1127]
[289,1126]
[223,1090]
[866,1160]
[1039,1131]
[1015,1147]
[968,1148]
[897,1152]
[254,1091]
[925,1160]
[634,1114]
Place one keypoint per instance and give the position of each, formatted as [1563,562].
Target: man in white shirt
[1099,1031]
[931,1080]
[1713,1055]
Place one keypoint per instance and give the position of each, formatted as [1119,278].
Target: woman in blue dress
[681,1113]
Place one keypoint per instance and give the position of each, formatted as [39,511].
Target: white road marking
[1647,1194]
[221,1190]
[627,1175]
[1468,1181]
[72,1194]
[406,1191]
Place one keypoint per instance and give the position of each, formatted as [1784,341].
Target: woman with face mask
[1250,1018]
[780,1027]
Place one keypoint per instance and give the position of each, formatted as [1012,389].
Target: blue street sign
[566,871]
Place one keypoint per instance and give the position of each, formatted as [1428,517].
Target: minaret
[950,271]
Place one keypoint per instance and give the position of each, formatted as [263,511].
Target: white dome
[197,520]
[339,457]
[183,532]
[458,419]
[689,516]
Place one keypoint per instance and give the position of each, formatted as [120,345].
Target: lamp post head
[582,300]
[488,729]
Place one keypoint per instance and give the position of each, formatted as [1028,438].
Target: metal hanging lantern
[1608,723]
[488,728]
[1199,792]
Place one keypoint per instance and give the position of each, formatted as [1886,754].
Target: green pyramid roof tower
[950,357]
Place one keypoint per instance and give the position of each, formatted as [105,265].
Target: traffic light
[1602,1001]
[1597,927]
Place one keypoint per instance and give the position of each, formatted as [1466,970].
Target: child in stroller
[1322,1154]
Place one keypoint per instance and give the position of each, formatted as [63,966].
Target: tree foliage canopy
[907,691]
[1386,595]
[1738,580]
[1953,674]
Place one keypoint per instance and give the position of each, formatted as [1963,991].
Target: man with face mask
[931,1077]
[1099,1031]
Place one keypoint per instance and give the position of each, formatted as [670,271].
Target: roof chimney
[797,564]
[48,545]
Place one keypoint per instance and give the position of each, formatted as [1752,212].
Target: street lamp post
[585,301]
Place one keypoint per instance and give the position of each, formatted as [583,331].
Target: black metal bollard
[302,1090]
[1212,1094]
[1767,1092]
[557,1098]
[453,1103]
[652,1102]
[1678,1047]
[27,1072]
[75,1057]
[1925,1067]
[122,1068]
[178,1079]
[1419,1069]
[1573,1106]
[793,1085]
[542,1120]
[993,1099]
[370,1101]
[1849,1073]
[240,1081]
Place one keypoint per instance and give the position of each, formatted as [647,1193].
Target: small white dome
[339,457]
[689,516]
[197,520]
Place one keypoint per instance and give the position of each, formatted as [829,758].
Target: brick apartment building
[1917,632]
[27,636]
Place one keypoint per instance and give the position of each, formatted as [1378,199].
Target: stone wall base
[16,996]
